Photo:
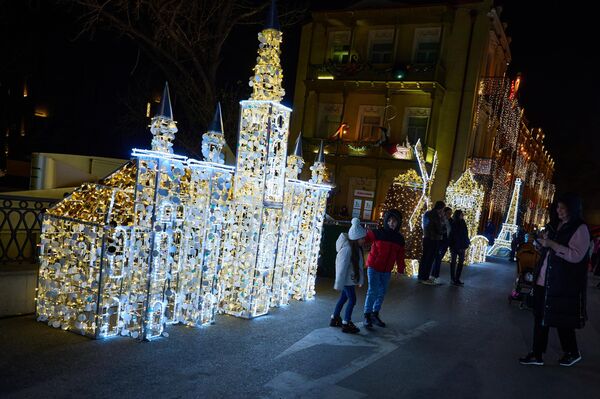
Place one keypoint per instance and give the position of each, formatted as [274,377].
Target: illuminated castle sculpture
[509,227]
[168,239]
[467,195]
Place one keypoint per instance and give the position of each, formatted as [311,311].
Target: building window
[416,121]
[339,46]
[329,119]
[370,119]
[426,45]
[381,46]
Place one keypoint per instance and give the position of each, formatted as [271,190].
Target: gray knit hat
[356,232]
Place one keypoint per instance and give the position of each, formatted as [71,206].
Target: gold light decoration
[477,251]
[467,195]
[268,75]
[409,193]
[168,239]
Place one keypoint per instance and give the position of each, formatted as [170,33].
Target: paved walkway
[442,342]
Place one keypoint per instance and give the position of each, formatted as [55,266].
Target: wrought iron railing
[20,227]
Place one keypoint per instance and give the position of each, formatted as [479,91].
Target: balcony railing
[366,149]
[20,227]
[364,71]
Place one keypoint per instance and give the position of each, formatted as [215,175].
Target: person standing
[432,235]
[387,249]
[446,229]
[559,294]
[459,243]
[349,264]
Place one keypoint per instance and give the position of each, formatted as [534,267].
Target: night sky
[87,82]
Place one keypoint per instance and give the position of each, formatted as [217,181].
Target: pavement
[441,342]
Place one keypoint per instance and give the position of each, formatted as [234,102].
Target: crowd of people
[442,231]
[560,278]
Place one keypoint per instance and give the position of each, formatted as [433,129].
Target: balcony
[363,71]
[365,149]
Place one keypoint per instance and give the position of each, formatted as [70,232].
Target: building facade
[374,78]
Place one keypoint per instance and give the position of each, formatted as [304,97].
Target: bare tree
[185,39]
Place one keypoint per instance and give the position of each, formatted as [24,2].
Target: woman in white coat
[349,265]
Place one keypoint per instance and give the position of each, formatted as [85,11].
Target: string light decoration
[477,250]
[467,195]
[498,105]
[169,239]
[509,227]
[410,194]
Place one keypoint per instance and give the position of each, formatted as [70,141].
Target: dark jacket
[432,225]
[387,247]
[565,300]
[459,235]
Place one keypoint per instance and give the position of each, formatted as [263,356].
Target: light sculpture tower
[267,257]
[509,227]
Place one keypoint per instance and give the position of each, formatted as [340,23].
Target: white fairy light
[509,227]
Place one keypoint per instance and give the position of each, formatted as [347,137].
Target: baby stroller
[527,259]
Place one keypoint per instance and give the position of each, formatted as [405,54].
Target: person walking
[387,249]
[446,230]
[432,235]
[349,265]
[559,294]
[459,243]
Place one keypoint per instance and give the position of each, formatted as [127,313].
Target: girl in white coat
[349,265]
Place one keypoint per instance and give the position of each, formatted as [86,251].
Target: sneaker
[336,321]
[569,359]
[532,359]
[458,282]
[377,320]
[368,323]
[426,282]
[435,280]
[349,328]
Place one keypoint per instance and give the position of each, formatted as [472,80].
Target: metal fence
[20,227]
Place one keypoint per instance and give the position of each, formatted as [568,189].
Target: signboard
[364,193]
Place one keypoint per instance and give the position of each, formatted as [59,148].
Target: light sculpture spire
[214,139]
[163,127]
[268,75]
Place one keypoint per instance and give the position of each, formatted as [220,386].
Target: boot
[377,320]
[368,322]
[350,328]
[336,321]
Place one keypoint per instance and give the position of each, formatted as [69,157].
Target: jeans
[348,294]
[437,263]
[454,271]
[568,340]
[378,283]
[430,248]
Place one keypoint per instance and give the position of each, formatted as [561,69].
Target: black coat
[565,299]
[459,235]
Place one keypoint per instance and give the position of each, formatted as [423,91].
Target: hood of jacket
[396,215]
[341,242]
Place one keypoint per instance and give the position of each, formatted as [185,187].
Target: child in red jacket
[387,249]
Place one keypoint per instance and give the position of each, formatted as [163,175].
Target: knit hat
[356,232]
